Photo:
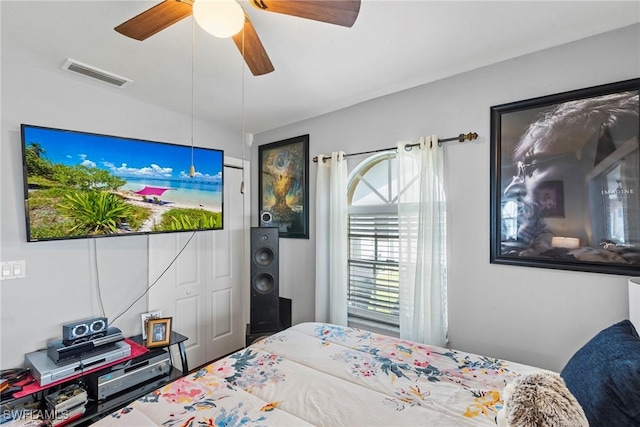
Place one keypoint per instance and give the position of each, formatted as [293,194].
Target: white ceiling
[319,68]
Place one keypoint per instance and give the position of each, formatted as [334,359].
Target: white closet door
[206,289]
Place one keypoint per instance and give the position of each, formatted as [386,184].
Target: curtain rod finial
[467,137]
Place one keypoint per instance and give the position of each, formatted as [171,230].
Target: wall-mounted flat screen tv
[81,185]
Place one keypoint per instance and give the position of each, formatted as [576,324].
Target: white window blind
[373,291]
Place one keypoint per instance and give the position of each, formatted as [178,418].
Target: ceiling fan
[167,13]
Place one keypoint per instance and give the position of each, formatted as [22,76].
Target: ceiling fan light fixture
[220,18]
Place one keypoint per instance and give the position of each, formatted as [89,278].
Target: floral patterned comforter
[327,375]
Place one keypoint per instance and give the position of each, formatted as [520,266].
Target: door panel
[203,290]
[227,332]
[222,319]
[186,320]
[178,292]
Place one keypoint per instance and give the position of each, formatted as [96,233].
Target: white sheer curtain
[331,240]
[422,224]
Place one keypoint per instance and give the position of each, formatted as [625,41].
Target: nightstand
[176,338]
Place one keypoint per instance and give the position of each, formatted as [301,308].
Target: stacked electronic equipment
[66,405]
[92,348]
[85,344]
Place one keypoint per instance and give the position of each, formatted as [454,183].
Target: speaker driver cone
[263,283]
[263,257]
[98,325]
[80,330]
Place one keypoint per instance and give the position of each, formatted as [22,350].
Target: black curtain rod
[460,138]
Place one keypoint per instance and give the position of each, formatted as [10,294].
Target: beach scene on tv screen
[84,185]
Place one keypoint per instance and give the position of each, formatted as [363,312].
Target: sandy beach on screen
[157,209]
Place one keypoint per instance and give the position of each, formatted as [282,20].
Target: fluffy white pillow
[540,400]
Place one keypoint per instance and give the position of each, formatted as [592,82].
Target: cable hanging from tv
[460,138]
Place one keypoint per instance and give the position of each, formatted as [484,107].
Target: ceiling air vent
[95,73]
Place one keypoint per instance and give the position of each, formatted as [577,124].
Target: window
[614,200]
[373,289]
[509,220]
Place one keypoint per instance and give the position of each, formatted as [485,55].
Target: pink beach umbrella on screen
[156,192]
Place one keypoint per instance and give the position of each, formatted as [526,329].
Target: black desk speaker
[265,271]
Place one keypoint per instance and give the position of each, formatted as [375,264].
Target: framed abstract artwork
[284,186]
[565,180]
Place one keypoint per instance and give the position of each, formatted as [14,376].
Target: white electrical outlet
[13,269]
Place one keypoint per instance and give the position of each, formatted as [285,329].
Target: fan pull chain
[192,169]
[244,142]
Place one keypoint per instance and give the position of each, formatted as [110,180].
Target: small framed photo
[145,320]
[158,332]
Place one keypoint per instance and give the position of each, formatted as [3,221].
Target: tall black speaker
[265,273]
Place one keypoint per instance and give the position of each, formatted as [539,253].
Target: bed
[327,375]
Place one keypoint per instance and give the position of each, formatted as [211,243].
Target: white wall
[61,282]
[531,315]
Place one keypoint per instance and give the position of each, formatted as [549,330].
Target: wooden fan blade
[254,54]
[156,19]
[339,12]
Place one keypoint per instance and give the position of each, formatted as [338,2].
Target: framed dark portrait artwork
[284,186]
[565,180]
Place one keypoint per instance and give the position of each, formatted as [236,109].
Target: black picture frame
[283,175]
[582,149]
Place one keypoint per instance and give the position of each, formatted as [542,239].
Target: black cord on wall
[155,281]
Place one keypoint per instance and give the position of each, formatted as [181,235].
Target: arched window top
[373,181]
